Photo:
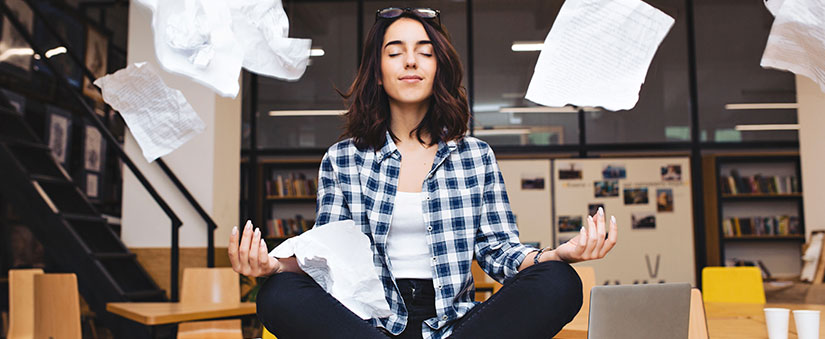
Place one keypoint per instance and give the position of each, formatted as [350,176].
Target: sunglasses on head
[423,13]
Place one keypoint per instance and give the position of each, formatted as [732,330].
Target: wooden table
[159,313]
[725,321]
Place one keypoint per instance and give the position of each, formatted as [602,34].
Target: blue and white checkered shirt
[465,208]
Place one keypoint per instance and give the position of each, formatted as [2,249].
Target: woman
[430,199]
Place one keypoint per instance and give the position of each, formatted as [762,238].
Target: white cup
[807,324]
[777,321]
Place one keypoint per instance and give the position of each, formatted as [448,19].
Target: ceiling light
[306,113]
[11,52]
[527,46]
[767,127]
[501,131]
[316,52]
[771,105]
[539,109]
[55,51]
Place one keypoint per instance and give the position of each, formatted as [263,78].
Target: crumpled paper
[210,40]
[338,257]
[797,40]
[159,117]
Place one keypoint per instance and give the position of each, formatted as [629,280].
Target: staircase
[75,236]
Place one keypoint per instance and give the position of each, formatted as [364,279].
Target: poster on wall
[58,133]
[97,51]
[651,200]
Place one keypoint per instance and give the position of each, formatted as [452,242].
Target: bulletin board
[651,200]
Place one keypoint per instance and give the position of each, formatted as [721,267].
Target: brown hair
[368,113]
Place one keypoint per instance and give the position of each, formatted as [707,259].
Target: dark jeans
[536,303]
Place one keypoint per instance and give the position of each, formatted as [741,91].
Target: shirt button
[444,317]
[428,197]
[429,228]
[435,260]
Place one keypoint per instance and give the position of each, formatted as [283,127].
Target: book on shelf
[758,184]
[761,226]
[283,228]
[292,185]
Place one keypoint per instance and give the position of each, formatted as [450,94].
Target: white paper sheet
[264,26]
[338,257]
[797,40]
[210,40]
[159,117]
[598,53]
[774,5]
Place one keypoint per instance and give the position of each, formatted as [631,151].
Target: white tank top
[407,246]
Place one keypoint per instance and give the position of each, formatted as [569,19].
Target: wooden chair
[21,303]
[210,285]
[56,307]
[485,286]
[741,284]
[698,328]
[588,276]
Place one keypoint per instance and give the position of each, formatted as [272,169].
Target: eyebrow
[399,42]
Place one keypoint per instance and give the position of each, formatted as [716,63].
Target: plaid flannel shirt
[465,209]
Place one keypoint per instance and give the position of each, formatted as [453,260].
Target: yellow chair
[588,277]
[56,306]
[21,303]
[733,285]
[268,335]
[210,285]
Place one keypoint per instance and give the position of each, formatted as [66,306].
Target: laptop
[656,311]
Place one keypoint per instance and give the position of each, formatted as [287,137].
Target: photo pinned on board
[643,220]
[614,171]
[664,200]
[635,196]
[592,209]
[570,223]
[672,173]
[606,188]
[532,183]
[573,172]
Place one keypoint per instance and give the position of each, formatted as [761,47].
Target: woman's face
[407,62]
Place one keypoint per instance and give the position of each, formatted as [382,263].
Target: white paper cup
[807,324]
[777,321]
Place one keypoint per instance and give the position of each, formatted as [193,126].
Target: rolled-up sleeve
[332,204]
[497,247]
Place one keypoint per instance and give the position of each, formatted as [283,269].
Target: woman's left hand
[590,243]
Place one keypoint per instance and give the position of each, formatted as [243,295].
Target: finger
[591,238]
[233,249]
[600,232]
[611,237]
[267,266]
[243,248]
[253,252]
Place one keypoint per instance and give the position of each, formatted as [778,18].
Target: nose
[410,62]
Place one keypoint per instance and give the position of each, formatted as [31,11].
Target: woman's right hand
[249,256]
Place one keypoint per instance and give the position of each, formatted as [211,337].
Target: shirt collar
[389,148]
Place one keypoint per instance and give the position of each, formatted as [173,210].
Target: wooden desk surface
[158,313]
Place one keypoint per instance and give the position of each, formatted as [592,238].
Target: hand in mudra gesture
[590,243]
[250,256]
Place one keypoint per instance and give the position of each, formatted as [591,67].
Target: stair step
[114,256]
[142,295]
[50,179]
[24,143]
[83,217]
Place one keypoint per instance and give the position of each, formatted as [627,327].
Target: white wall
[208,165]
[532,207]
[811,117]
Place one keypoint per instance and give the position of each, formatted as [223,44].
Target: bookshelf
[754,210]
[286,196]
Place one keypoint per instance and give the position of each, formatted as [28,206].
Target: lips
[411,78]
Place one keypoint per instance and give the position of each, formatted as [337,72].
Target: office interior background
[706,104]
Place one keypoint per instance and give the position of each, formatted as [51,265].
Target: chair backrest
[21,302]
[588,276]
[210,285]
[741,284]
[56,306]
[698,328]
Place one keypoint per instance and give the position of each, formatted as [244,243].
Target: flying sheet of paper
[264,27]
[597,54]
[773,5]
[210,40]
[797,40]
[159,117]
[338,257]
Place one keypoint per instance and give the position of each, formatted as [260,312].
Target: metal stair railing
[176,223]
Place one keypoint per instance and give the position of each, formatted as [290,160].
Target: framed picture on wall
[92,185]
[94,149]
[58,132]
[16,50]
[97,51]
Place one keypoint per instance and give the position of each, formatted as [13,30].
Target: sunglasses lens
[389,13]
[426,13]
